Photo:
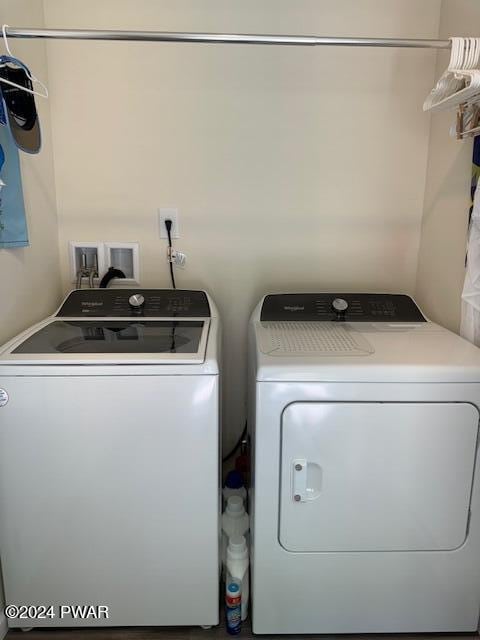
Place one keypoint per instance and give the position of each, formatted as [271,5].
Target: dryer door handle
[306,480]
[299,480]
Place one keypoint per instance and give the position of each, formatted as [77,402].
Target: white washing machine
[109,461]
[366,498]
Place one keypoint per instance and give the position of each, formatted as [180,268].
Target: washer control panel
[163,303]
[352,307]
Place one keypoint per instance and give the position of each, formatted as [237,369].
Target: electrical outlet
[168,214]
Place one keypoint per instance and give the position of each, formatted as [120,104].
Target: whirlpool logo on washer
[294,308]
[3,397]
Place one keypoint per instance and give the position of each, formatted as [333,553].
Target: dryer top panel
[353,307]
[330,337]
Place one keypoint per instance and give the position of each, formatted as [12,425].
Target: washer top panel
[159,303]
[100,329]
[353,307]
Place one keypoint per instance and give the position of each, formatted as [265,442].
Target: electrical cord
[238,443]
[168,225]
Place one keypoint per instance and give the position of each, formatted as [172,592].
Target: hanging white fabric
[470,323]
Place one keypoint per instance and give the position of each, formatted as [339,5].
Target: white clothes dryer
[366,497]
[109,461]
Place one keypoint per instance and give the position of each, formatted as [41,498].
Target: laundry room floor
[193,633]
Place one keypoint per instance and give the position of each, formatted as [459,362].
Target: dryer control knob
[340,306]
[136,301]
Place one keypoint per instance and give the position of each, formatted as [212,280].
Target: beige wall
[30,281]
[441,267]
[292,168]
[30,277]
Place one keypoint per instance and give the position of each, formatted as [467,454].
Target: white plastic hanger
[469,93]
[460,84]
[32,78]
[447,84]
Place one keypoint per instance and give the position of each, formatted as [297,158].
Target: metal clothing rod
[225,38]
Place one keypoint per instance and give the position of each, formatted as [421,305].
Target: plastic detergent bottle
[237,567]
[233,606]
[234,486]
[235,522]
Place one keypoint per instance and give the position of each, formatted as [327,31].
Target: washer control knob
[136,301]
[340,306]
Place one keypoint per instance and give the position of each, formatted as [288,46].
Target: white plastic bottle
[237,567]
[235,522]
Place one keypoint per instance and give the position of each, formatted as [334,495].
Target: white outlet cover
[129,251]
[168,214]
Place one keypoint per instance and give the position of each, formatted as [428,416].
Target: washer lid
[115,340]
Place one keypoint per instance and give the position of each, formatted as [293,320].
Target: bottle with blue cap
[234,486]
[233,606]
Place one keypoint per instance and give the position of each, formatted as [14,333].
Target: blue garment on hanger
[13,224]
[17,107]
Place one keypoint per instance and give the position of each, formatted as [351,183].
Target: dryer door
[376,476]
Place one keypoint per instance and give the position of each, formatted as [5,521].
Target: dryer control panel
[163,303]
[352,307]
